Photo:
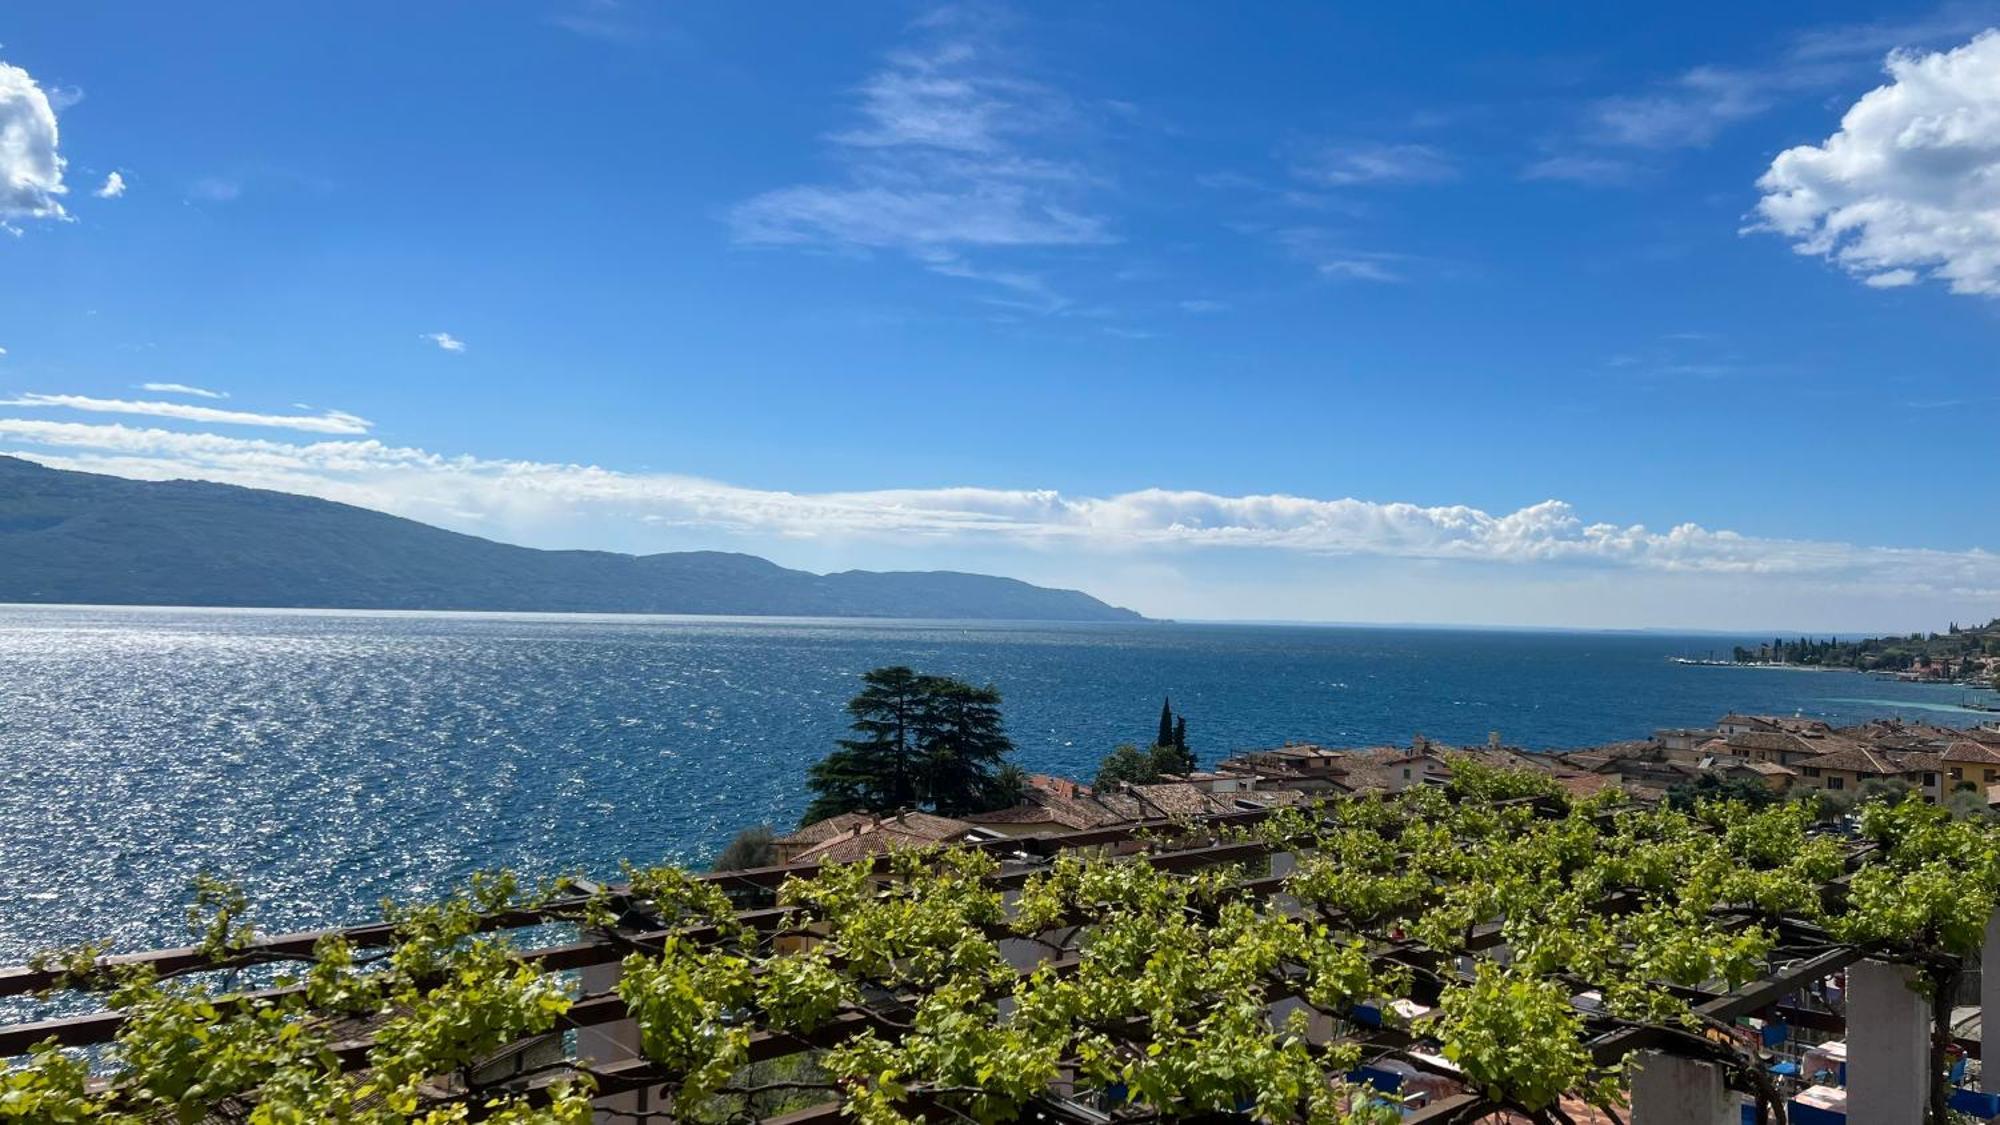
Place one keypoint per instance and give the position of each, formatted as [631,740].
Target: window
[1406,773]
[1836,783]
[1992,776]
[1812,771]
[1957,774]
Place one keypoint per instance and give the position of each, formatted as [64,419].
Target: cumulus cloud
[1909,187]
[327,422]
[114,186]
[446,341]
[517,497]
[31,167]
[949,157]
[182,389]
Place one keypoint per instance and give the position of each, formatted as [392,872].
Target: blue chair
[1978,1103]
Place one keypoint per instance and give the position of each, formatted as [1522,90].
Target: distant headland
[84,538]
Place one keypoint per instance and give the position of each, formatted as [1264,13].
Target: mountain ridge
[74,537]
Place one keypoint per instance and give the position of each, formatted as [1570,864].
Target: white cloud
[182,389]
[523,499]
[1340,165]
[327,422]
[1581,168]
[114,186]
[943,162]
[216,189]
[1910,185]
[1333,258]
[1687,112]
[31,167]
[446,341]
[609,20]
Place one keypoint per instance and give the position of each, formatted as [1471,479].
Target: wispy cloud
[445,341]
[31,165]
[114,186]
[327,422]
[182,389]
[1694,107]
[1688,111]
[1870,40]
[511,497]
[949,157]
[216,189]
[1334,257]
[612,21]
[1582,168]
[1342,165]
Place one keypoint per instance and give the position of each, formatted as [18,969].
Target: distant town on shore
[1969,655]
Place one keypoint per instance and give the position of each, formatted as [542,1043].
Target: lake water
[328,759]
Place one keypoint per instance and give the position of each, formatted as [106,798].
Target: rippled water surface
[329,759]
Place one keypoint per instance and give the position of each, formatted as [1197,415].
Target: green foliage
[1518,1039]
[216,917]
[680,999]
[749,848]
[1476,780]
[1125,765]
[1685,795]
[921,741]
[1159,980]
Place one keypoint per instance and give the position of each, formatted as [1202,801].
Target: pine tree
[1180,733]
[921,741]
[877,771]
[963,742]
[1166,735]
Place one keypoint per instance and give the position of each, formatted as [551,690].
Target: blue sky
[1280,312]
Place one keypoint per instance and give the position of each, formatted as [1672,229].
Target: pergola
[1678,1074]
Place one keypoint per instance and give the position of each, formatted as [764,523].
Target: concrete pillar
[1888,1045]
[613,1042]
[1989,1002]
[1669,1090]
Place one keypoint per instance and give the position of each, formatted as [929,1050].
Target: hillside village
[1784,756]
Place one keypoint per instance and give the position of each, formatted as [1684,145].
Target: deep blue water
[329,759]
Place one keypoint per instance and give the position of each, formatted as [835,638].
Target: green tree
[1709,787]
[1127,763]
[748,848]
[1166,735]
[920,741]
[962,740]
[876,770]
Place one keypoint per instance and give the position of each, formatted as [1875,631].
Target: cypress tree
[1166,735]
